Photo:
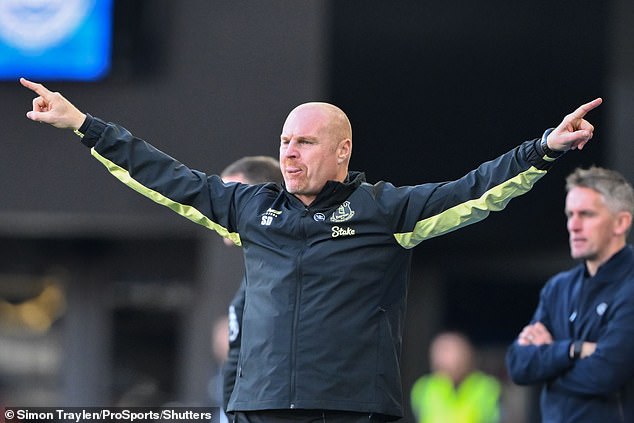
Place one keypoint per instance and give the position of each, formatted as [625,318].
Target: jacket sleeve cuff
[547,153]
[92,129]
[537,155]
[562,353]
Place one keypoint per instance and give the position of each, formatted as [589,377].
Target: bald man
[327,254]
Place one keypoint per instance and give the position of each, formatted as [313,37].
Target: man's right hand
[52,108]
[535,334]
[574,131]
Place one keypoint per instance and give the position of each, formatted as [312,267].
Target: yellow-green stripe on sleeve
[471,211]
[186,211]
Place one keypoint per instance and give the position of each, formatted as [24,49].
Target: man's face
[451,356]
[309,153]
[591,225]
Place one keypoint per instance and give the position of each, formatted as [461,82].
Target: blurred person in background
[327,254]
[579,345]
[455,391]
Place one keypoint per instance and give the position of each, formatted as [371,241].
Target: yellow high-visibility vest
[476,400]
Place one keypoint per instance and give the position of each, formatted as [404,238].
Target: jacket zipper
[298,294]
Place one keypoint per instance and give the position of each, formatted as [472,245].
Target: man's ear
[344,149]
[623,223]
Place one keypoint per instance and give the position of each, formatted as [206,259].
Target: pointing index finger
[39,89]
[585,108]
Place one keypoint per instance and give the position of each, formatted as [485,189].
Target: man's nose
[574,224]
[291,149]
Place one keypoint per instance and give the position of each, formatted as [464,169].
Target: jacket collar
[617,267]
[334,193]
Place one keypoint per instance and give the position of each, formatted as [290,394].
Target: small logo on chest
[268,216]
[601,309]
[343,213]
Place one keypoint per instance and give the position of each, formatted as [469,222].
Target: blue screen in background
[55,39]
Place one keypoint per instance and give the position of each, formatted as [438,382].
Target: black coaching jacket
[325,284]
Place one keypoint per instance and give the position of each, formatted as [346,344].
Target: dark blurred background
[107,298]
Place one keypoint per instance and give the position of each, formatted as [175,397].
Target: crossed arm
[538,357]
[537,334]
